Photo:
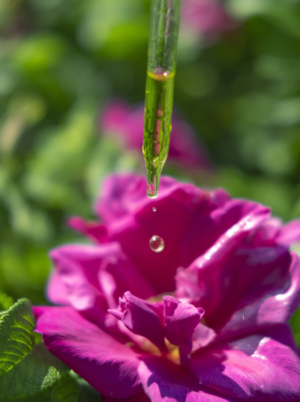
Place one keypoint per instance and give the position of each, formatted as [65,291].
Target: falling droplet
[157,244]
[154,209]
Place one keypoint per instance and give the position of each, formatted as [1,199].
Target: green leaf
[29,372]
[38,371]
[65,390]
[44,396]
[295,324]
[16,336]
[88,394]
[5,301]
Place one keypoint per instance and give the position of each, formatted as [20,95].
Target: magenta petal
[142,397]
[269,300]
[266,234]
[118,193]
[290,233]
[280,307]
[77,267]
[113,115]
[206,17]
[202,336]
[177,208]
[117,278]
[93,230]
[262,367]
[40,310]
[123,194]
[57,290]
[181,319]
[184,148]
[143,318]
[106,364]
[164,381]
[214,228]
[234,279]
[125,124]
[93,277]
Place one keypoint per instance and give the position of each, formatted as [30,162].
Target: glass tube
[162,52]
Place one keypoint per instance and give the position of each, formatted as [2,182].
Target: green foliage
[65,390]
[28,371]
[16,336]
[87,393]
[295,324]
[36,372]
[5,301]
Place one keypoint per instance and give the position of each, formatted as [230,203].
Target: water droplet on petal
[154,209]
[157,244]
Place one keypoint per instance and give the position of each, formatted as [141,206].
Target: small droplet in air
[154,209]
[157,244]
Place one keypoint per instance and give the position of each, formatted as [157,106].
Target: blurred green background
[62,61]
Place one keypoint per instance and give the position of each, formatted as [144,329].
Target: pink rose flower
[126,123]
[206,319]
[207,17]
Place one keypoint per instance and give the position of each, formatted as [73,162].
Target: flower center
[173,350]
[169,328]
[159,297]
[173,354]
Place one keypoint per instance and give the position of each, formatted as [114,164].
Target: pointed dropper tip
[152,194]
[152,186]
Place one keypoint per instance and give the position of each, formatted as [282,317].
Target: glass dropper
[162,52]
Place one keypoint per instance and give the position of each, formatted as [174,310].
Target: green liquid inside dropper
[157,129]
[160,88]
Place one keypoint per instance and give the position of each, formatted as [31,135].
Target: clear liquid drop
[154,209]
[157,244]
